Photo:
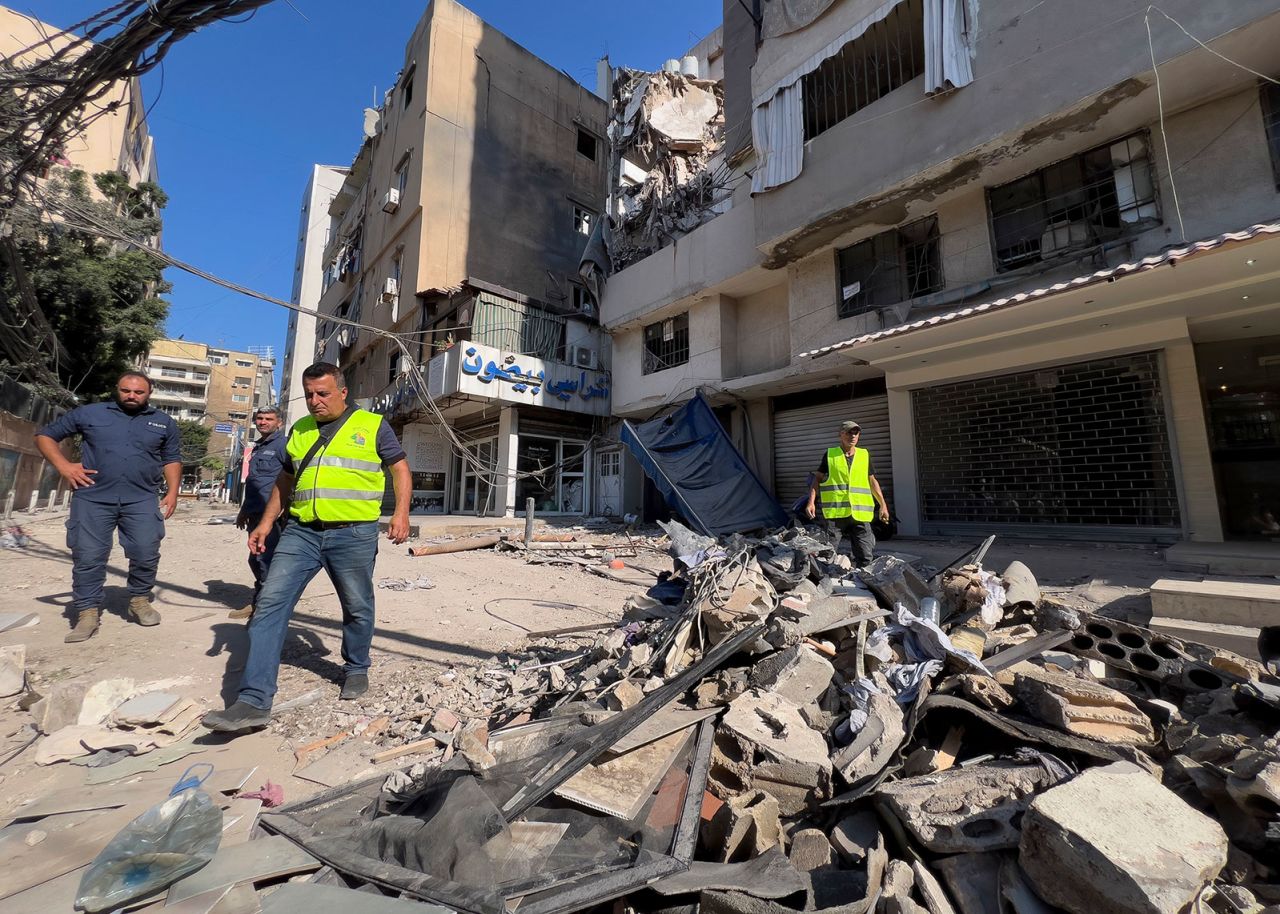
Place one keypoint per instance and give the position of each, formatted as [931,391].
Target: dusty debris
[1082,706]
[1114,839]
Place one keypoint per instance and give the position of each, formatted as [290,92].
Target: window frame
[653,362]
[406,86]
[907,286]
[583,218]
[584,133]
[1269,101]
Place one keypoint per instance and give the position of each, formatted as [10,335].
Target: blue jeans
[347,555]
[90,530]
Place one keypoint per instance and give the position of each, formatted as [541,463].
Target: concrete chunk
[13,669]
[1114,839]
[60,706]
[855,836]
[763,741]
[966,809]
[744,827]
[810,850]
[1082,707]
[798,674]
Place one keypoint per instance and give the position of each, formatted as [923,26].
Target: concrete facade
[761,285]
[314,230]
[457,222]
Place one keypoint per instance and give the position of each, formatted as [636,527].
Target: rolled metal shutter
[801,435]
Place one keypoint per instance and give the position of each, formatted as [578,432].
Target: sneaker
[355,685]
[238,718]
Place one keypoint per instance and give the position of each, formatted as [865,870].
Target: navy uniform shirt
[265,464]
[128,451]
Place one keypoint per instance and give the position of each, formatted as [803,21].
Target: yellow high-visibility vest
[345,480]
[846,492]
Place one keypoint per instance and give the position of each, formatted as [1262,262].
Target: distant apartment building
[1046,285]
[314,227]
[220,388]
[459,226]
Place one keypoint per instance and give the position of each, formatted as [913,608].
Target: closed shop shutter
[1080,449]
[800,436]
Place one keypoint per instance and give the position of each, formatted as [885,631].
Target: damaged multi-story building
[459,227]
[1032,248]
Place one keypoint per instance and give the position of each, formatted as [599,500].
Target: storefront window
[557,483]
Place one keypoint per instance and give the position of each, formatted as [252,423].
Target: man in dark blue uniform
[127,449]
[264,466]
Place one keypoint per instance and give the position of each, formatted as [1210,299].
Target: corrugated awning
[1110,275]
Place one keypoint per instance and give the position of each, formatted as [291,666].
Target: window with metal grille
[1271,123]
[1083,445]
[884,57]
[1097,196]
[666,344]
[890,267]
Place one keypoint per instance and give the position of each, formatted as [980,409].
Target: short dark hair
[324,370]
[134,374]
[274,410]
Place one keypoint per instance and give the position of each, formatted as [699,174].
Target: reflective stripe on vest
[846,492]
[345,480]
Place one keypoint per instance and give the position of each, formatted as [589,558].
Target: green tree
[215,464]
[101,298]
[195,442]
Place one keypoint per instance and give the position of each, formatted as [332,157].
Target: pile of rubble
[668,131]
[769,730]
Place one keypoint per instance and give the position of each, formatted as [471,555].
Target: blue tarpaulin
[700,473]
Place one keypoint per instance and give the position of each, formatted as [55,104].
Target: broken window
[893,266]
[393,365]
[583,220]
[586,144]
[402,174]
[1271,123]
[884,57]
[1097,196]
[406,88]
[666,344]
[581,298]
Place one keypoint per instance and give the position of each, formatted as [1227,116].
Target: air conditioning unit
[390,289]
[583,356]
[391,202]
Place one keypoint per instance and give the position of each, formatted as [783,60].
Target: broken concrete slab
[966,810]
[13,669]
[744,827]
[145,709]
[799,674]
[102,698]
[767,875]
[763,741]
[930,890]
[856,836]
[974,881]
[899,880]
[809,849]
[59,706]
[1115,839]
[1083,707]
[874,745]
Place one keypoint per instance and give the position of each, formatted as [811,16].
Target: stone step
[1243,558]
[1217,602]
[1239,639]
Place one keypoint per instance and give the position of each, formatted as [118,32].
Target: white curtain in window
[947,62]
[777,131]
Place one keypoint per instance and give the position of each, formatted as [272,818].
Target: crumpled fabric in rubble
[925,645]
[689,548]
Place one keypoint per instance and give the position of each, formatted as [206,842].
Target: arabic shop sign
[487,372]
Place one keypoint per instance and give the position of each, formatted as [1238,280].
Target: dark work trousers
[259,564]
[862,542]
[90,530]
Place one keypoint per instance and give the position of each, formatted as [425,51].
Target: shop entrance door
[1240,380]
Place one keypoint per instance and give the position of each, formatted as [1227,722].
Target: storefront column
[504,494]
[906,492]
[1202,520]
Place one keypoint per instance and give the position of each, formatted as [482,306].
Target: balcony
[156,359]
[176,374]
[175,395]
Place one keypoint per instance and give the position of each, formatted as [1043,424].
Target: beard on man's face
[131,407]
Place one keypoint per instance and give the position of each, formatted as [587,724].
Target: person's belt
[330,524]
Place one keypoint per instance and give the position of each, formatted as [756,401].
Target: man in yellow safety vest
[333,480]
[846,488]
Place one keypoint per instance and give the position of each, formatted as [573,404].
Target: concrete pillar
[35,501]
[906,485]
[1193,460]
[8,504]
[66,498]
[53,500]
[504,496]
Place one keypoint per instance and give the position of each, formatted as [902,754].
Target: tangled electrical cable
[72,214]
[48,88]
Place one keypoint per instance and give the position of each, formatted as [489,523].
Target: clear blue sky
[243,110]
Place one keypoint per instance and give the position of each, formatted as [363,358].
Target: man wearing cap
[850,494]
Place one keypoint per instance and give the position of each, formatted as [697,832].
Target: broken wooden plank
[301,754]
[1027,649]
[418,745]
